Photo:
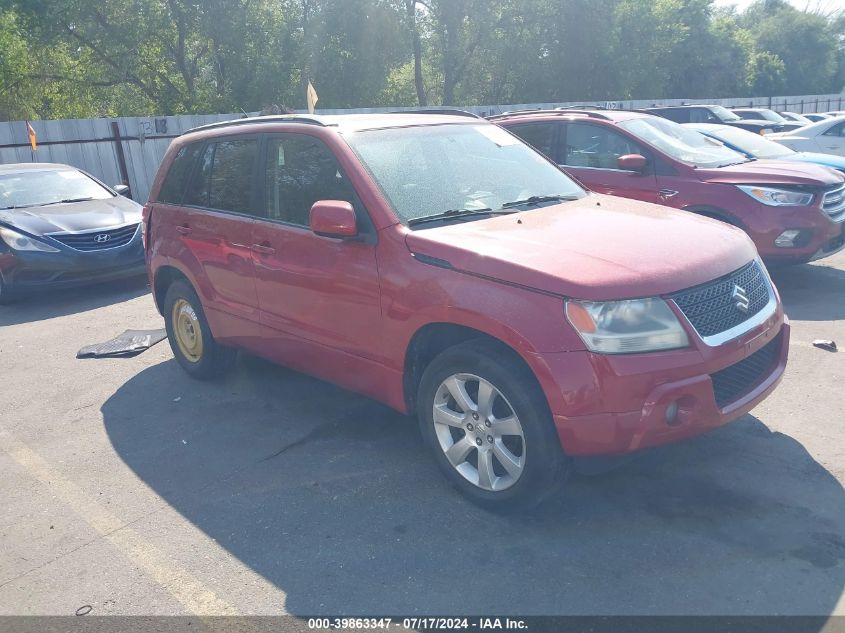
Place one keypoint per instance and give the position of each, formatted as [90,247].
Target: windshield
[683,144]
[723,113]
[39,187]
[750,143]
[427,170]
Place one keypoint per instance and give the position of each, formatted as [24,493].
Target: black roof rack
[455,112]
[557,111]
[582,107]
[274,118]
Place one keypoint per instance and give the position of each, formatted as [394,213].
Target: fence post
[121,157]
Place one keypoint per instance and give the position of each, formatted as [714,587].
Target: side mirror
[122,190]
[632,162]
[333,218]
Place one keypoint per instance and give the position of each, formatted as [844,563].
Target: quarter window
[301,170]
[176,180]
[597,147]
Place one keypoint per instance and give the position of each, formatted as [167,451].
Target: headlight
[626,327]
[777,197]
[21,242]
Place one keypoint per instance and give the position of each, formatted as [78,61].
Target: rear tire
[190,337]
[486,420]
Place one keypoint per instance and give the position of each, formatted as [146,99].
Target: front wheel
[487,422]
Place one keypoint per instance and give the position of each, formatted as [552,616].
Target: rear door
[215,228]
[590,153]
[319,290]
[833,140]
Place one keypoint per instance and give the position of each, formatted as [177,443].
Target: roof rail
[557,112]
[582,107]
[274,118]
[455,112]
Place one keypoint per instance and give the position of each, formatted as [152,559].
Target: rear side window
[836,130]
[540,136]
[176,180]
[680,115]
[224,177]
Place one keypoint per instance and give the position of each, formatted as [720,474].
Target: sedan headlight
[777,197]
[626,327]
[20,242]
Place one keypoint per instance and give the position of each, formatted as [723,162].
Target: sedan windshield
[723,113]
[469,171]
[685,145]
[750,143]
[40,186]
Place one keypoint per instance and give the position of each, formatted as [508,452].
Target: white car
[826,136]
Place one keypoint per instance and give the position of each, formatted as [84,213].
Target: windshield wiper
[539,200]
[66,201]
[454,213]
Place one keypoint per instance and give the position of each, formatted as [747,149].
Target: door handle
[667,193]
[263,249]
[184,229]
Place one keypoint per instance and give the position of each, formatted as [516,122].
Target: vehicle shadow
[48,304]
[331,497]
[812,292]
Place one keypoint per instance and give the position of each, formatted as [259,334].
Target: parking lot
[131,488]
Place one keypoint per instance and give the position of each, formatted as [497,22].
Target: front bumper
[22,271]
[822,237]
[612,405]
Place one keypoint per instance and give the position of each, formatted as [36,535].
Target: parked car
[439,265]
[794,213]
[765,114]
[827,137]
[835,113]
[796,118]
[816,117]
[755,146]
[711,114]
[60,226]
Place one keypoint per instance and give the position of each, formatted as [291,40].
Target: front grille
[97,240]
[712,307]
[834,203]
[735,381]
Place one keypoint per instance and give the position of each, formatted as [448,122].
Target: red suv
[794,213]
[438,264]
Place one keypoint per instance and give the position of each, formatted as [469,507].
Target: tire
[537,466]
[6,297]
[190,337]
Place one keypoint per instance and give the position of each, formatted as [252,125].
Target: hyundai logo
[102,238]
[740,297]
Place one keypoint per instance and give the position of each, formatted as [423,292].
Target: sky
[825,6]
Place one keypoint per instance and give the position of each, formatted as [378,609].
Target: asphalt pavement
[127,486]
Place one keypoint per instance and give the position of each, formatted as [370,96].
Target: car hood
[829,160]
[772,172]
[597,248]
[75,216]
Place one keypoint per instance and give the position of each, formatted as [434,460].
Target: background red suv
[794,213]
[443,267]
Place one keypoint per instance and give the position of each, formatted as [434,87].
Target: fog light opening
[672,414]
[788,239]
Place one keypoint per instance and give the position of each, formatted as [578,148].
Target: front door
[590,152]
[312,289]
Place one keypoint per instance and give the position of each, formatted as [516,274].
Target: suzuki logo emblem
[741,298]
[102,238]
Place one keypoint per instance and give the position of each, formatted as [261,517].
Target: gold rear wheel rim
[187,330]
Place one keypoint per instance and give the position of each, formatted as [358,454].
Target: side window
[836,130]
[701,115]
[224,177]
[540,136]
[173,188]
[301,170]
[597,147]
[678,115]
